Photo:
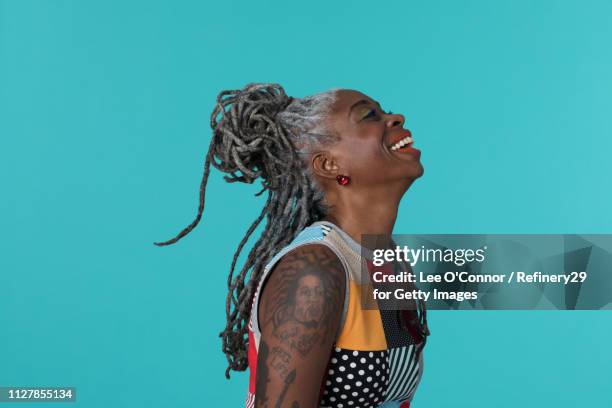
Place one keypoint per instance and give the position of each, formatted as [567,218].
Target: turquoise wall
[104,123]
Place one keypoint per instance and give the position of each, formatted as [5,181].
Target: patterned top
[377,359]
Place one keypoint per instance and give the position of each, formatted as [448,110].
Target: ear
[324,165]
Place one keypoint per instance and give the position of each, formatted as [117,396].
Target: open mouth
[404,145]
[405,142]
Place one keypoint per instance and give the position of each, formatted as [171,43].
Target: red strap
[252,362]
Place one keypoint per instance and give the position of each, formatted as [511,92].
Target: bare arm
[300,310]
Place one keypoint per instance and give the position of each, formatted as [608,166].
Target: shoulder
[306,287]
[308,263]
[314,258]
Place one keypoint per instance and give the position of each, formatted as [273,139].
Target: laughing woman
[335,166]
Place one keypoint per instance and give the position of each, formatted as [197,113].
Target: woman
[335,166]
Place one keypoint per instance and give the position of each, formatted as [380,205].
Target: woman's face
[365,151]
[309,300]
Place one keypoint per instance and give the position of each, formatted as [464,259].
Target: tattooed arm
[299,314]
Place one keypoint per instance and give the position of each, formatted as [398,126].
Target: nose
[395,119]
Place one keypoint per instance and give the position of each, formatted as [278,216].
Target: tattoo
[288,380]
[299,311]
[306,297]
[280,361]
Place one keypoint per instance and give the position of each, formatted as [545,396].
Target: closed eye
[372,113]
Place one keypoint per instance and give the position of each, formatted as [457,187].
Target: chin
[421,170]
[415,171]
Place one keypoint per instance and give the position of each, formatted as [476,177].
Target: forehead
[309,279]
[340,122]
[346,98]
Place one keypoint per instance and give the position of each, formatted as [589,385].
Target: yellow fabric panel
[363,329]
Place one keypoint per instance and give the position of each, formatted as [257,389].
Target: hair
[260,132]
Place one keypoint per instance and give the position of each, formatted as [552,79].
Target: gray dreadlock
[259,131]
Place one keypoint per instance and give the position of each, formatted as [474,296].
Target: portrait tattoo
[307,294]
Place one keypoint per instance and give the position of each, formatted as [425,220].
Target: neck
[358,214]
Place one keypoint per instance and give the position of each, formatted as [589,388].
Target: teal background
[104,123]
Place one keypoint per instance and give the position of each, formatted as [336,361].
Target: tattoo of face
[309,301]
[306,296]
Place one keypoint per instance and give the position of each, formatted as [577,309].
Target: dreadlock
[259,131]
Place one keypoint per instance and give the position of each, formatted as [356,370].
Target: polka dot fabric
[356,379]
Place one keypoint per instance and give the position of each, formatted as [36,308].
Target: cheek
[363,153]
[363,143]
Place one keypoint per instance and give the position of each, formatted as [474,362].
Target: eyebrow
[362,102]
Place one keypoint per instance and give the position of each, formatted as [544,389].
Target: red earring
[342,179]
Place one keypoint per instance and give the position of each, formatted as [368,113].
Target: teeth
[401,143]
